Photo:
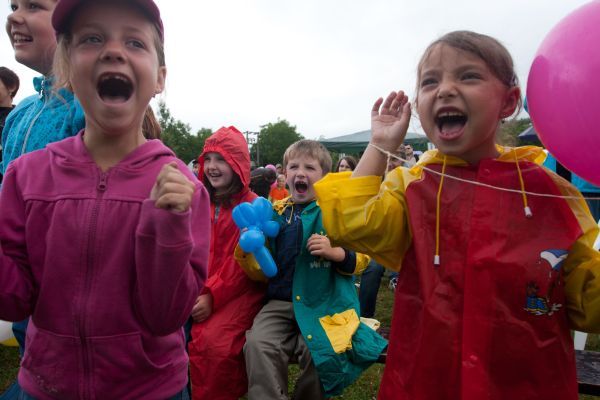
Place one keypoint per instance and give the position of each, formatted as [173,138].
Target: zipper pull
[43,90]
[102,184]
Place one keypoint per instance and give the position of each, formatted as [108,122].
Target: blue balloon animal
[256,218]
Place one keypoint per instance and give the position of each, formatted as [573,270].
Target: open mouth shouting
[301,187]
[450,123]
[114,88]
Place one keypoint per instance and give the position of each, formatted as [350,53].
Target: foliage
[510,130]
[273,140]
[176,135]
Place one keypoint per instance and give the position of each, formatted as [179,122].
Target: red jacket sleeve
[229,282]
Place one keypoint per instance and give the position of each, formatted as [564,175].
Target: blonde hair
[312,149]
[489,50]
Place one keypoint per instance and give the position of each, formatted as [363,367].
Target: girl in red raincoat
[230,300]
[490,281]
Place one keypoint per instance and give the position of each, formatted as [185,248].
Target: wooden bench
[588,371]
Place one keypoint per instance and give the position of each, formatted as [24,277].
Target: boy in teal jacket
[312,313]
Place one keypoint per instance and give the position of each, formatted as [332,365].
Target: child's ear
[511,101]
[13,91]
[160,80]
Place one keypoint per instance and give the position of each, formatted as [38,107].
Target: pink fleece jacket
[108,278]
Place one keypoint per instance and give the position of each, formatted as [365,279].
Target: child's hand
[203,308]
[172,190]
[319,245]
[389,122]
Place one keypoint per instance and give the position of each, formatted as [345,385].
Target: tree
[273,140]
[510,130]
[177,135]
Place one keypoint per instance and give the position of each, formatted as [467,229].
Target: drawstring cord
[528,213]
[501,189]
[436,258]
[522,192]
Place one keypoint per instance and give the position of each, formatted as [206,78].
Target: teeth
[114,76]
[17,37]
[450,114]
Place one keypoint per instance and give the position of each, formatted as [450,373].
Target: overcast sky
[320,64]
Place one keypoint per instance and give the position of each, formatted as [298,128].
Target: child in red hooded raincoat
[230,300]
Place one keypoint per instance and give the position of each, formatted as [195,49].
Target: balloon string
[442,174]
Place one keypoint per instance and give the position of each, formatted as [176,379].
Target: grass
[364,389]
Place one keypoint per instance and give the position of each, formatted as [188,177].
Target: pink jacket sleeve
[17,294]
[171,263]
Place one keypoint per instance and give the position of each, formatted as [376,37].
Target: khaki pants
[273,342]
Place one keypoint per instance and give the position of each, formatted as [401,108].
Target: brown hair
[310,148]
[150,126]
[10,80]
[351,161]
[224,198]
[488,49]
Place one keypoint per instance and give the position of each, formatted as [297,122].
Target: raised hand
[389,121]
[173,190]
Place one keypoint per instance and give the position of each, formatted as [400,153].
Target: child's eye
[93,39]
[34,6]
[427,82]
[136,43]
[13,7]
[470,75]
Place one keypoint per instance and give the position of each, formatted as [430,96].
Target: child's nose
[15,17]
[113,51]
[446,88]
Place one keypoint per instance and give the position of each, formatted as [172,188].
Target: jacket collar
[533,154]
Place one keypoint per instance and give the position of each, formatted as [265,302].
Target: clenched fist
[172,190]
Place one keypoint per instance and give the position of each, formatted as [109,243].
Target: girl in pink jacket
[104,236]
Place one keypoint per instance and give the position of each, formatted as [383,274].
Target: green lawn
[364,389]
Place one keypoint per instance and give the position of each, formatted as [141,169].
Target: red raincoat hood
[231,145]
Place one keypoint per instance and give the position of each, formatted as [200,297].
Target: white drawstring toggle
[436,260]
[528,212]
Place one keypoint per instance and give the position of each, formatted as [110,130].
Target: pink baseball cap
[64,10]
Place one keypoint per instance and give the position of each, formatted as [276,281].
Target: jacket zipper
[26,140]
[87,381]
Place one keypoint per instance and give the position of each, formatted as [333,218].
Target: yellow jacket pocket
[340,328]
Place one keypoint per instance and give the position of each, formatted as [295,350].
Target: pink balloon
[563,92]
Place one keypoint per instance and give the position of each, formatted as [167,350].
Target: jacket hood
[231,145]
[73,150]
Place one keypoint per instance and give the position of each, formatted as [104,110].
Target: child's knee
[252,341]
[258,342]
